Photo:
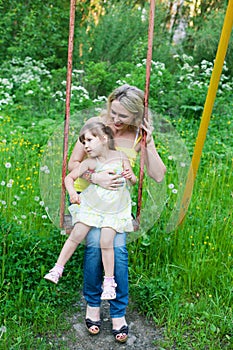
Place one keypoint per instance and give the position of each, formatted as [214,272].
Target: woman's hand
[107,179]
[148,127]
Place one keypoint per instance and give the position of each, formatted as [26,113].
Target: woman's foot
[120,329]
[92,320]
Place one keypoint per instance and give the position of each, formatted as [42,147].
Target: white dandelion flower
[171,186]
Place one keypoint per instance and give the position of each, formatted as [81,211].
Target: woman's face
[120,116]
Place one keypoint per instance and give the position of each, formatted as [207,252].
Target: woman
[125,109]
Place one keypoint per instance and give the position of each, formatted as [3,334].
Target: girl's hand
[75,198]
[148,127]
[107,179]
[129,175]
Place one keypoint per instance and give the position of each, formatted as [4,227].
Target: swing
[65,219]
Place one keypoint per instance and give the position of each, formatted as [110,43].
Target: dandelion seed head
[171,186]
[3,329]
[8,165]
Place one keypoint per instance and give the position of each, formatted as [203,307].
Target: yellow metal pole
[205,119]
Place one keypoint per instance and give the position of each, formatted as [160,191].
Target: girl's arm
[127,170]
[105,179]
[87,164]
[154,164]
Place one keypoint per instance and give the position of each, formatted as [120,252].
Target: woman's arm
[78,154]
[156,169]
[106,179]
[154,164]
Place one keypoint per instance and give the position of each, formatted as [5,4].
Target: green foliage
[28,301]
[115,35]
[182,279]
[202,44]
[33,29]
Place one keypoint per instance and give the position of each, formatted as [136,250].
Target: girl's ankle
[59,268]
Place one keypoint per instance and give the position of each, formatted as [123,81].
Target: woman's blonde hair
[132,99]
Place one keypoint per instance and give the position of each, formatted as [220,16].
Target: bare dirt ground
[143,333]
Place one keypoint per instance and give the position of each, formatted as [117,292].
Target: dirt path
[142,333]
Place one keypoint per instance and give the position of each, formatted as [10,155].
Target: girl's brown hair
[97,129]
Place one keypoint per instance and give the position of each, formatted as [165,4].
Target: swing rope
[146,101]
[67,111]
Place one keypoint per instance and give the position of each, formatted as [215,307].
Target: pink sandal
[109,289]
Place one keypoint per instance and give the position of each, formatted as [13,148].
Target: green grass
[183,279]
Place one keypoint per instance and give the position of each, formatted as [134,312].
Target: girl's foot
[120,329]
[55,273]
[53,276]
[109,289]
[92,320]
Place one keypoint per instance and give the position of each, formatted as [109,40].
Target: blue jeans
[93,272]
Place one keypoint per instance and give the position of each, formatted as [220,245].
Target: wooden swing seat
[67,223]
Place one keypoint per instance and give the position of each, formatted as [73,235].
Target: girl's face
[120,116]
[93,144]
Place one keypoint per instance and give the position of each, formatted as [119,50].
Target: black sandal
[90,324]
[124,330]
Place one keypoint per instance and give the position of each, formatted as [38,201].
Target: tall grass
[182,278]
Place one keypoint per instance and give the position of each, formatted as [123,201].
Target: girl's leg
[76,236]
[78,233]
[106,244]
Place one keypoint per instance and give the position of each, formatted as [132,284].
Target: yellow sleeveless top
[80,184]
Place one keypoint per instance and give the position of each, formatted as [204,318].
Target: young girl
[95,206]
